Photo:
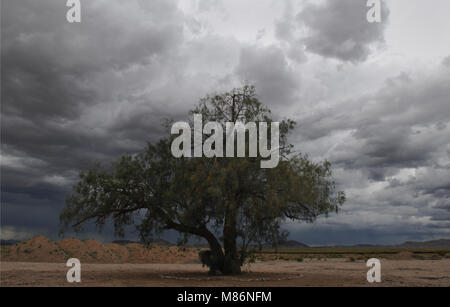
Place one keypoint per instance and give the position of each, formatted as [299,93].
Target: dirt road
[332,272]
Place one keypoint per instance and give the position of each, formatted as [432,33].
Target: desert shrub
[418,257]
[300,259]
[251,258]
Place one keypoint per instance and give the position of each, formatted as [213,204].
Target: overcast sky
[373,98]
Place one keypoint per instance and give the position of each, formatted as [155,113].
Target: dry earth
[41,262]
[41,249]
[311,272]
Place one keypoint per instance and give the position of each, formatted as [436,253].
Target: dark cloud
[339,29]
[286,33]
[393,128]
[73,94]
[268,69]
[66,98]
[446,61]
[395,141]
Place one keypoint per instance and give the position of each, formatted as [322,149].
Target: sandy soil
[332,272]
[41,249]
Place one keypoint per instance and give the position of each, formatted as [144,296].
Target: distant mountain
[8,242]
[364,245]
[441,243]
[287,244]
[292,244]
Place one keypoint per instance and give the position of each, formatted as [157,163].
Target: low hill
[441,243]
[293,244]
[41,249]
[286,244]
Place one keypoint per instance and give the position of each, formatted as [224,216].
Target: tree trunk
[218,259]
[232,263]
[216,253]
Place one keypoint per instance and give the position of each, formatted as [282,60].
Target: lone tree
[232,200]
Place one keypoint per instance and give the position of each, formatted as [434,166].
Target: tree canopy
[232,203]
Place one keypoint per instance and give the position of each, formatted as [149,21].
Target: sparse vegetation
[50,251]
[442,253]
[356,253]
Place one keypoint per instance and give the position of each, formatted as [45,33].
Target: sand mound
[41,249]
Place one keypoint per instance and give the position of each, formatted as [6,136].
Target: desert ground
[42,262]
[311,272]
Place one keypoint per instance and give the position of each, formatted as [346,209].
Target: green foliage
[442,253]
[208,197]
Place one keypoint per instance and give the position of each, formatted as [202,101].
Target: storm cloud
[75,93]
[339,29]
